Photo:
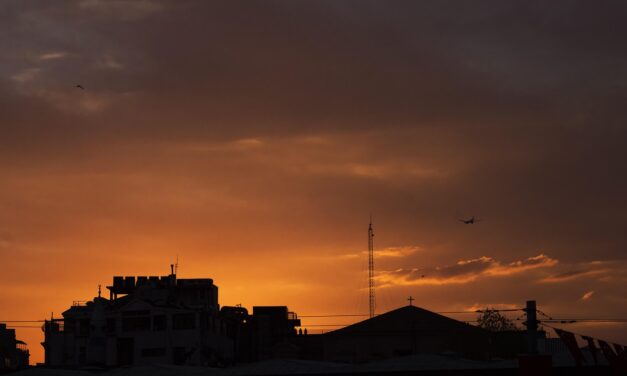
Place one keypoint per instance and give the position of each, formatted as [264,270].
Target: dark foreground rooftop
[421,364]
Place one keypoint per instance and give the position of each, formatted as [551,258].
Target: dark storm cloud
[286,67]
[516,101]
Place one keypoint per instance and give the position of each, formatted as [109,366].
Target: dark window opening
[159,322]
[135,324]
[82,355]
[182,321]
[136,313]
[83,327]
[153,352]
[110,327]
[69,326]
[179,356]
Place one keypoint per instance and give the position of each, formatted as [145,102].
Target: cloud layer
[464,271]
[253,140]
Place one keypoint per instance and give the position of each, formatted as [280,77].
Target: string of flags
[615,353]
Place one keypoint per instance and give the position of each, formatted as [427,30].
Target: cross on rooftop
[411,300]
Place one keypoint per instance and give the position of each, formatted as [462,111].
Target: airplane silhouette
[471,221]
[80,87]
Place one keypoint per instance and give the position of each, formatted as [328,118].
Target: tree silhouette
[492,320]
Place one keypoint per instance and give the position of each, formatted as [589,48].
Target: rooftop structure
[162,320]
[13,352]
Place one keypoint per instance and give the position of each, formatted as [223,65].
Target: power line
[466,321]
[334,315]
[579,334]
[24,326]
[550,319]
[22,321]
[439,312]
[339,315]
[573,321]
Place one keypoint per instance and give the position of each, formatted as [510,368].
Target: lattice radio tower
[371,300]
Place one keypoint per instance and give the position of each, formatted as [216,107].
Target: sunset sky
[254,139]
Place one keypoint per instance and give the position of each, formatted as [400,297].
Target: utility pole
[371,300]
[532,363]
[532,327]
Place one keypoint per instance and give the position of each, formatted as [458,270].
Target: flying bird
[80,87]
[471,221]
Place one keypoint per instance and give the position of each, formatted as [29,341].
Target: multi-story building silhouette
[13,352]
[163,320]
[167,320]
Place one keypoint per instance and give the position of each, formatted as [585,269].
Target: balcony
[293,319]
[54,326]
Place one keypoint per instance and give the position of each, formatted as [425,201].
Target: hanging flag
[621,353]
[593,349]
[607,352]
[571,342]
[618,363]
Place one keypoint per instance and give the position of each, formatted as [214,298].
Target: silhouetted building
[165,320]
[268,333]
[146,320]
[13,353]
[272,328]
[404,331]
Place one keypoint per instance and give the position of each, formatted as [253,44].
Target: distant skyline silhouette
[252,141]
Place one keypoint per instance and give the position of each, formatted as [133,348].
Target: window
[135,324]
[110,327]
[82,355]
[69,325]
[153,352]
[182,321]
[83,327]
[159,322]
[179,355]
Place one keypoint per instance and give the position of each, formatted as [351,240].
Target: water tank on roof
[129,282]
[118,282]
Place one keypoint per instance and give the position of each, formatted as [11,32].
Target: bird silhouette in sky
[471,221]
[79,87]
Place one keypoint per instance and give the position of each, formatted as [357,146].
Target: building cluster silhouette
[163,320]
[13,353]
[169,320]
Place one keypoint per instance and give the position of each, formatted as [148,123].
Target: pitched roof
[405,319]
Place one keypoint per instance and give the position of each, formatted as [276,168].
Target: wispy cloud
[379,170]
[584,270]
[109,62]
[396,251]
[479,306]
[122,9]
[388,252]
[238,145]
[26,75]
[587,295]
[463,271]
[53,55]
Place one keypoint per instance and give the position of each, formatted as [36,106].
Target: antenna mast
[371,300]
